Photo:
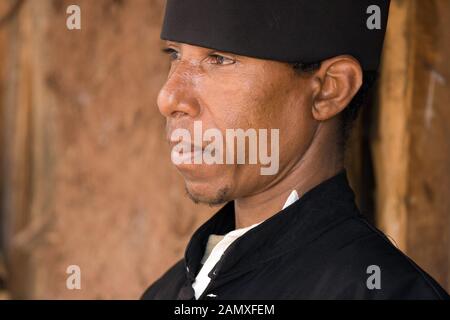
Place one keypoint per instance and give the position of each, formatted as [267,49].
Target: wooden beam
[411,139]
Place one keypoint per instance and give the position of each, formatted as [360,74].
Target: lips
[186,153]
[185,145]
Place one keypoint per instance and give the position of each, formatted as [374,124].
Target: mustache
[187,127]
[170,129]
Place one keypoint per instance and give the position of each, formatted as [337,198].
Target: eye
[220,60]
[172,53]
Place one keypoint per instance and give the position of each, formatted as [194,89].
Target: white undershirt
[202,280]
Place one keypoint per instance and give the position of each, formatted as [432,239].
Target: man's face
[226,91]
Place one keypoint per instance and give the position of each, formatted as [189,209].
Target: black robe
[320,247]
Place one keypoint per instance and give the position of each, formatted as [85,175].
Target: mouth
[184,153]
[186,146]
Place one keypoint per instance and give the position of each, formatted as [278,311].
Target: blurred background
[85,173]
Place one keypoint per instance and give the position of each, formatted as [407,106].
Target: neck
[322,160]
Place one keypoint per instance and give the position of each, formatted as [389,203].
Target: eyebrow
[167,50]
[172,43]
[208,51]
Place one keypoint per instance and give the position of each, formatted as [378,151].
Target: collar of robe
[321,208]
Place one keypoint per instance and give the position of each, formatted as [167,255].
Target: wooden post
[411,142]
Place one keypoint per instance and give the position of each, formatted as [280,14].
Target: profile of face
[227,91]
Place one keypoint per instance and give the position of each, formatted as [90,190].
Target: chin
[208,193]
[204,172]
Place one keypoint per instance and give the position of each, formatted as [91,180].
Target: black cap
[303,31]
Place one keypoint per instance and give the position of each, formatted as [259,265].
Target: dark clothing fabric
[303,31]
[318,248]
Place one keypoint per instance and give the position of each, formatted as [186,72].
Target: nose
[177,96]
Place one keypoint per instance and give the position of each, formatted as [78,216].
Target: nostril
[177,114]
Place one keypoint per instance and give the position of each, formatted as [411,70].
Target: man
[297,68]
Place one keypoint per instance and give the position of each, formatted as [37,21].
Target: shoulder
[369,266]
[168,285]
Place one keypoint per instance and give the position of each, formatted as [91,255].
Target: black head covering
[303,31]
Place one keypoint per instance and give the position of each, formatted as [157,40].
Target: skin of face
[228,91]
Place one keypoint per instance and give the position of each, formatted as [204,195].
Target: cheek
[259,102]
[296,137]
[230,103]
[288,109]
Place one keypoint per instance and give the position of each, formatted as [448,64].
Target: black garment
[318,248]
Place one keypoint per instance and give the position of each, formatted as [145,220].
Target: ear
[340,79]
